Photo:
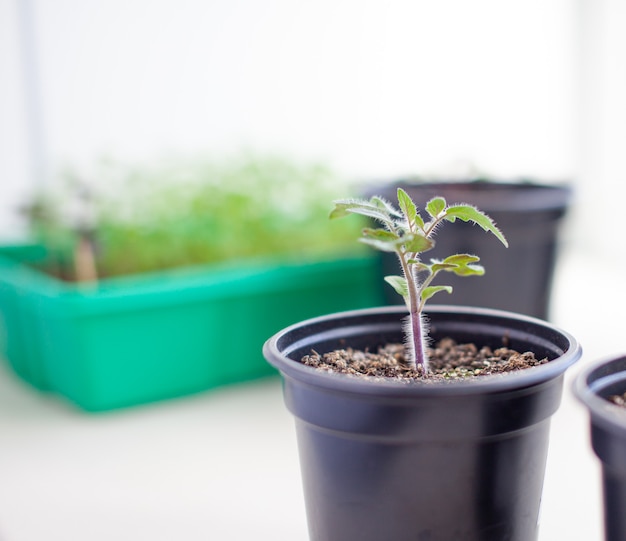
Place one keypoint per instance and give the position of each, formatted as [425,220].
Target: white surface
[223,465]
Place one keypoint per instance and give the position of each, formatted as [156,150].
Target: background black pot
[392,461]
[608,436]
[519,278]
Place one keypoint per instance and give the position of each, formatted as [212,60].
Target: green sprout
[407,234]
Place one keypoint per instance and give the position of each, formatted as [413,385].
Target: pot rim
[587,392]
[521,379]
[491,196]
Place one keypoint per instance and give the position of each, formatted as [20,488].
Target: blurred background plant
[187,211]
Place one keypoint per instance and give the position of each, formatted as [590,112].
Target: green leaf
[341,208]
[467,213]
[439,266]
[469,270]
[381,245]
[345,207]
[461,259]
[463,265]
[428,292]
[435,206]
[380,234]
[407,206]
[419,221]
[400,286]
[417,243]
[381,239]
[385,205]
[418,264]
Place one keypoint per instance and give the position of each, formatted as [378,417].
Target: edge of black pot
[607,421]
[595,383]
[490,195]
[326,333]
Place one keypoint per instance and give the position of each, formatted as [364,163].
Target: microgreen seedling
[407,234]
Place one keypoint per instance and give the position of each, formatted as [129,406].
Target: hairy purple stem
[415,323]
[419,353]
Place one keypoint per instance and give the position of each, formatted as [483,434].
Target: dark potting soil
[447,361]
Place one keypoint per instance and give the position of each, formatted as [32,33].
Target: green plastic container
[129,341]
[18,328]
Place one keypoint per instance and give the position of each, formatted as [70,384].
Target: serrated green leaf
[419,221]
[399,285]
[345,207]
[468,213]
[407,206]
[385,205]
[428,292]
[468,270]
[435,206]
[461,259]
[439,266]
[341,208]
[416,243]
[380,234]
[463,265]
[381,245]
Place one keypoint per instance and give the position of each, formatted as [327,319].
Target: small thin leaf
[399,285]
[418,264]
[435,206]
[467,213]
[428,292]
[407,206]
[419,221]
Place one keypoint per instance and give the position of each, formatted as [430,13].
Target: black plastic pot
[608,436]
[519,278]
[430,462]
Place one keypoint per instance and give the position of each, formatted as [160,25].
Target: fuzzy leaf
[461,259]
[419,221]
[380,234]
[469,270]
[345,207]
[399,285]
[381,245]
[414,242]
[439,266]
[407,206]
[386,206]
[430,291]
[435,206]
[467,213]
[381,239]
[463,265]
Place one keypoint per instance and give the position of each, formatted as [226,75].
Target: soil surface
[448,361]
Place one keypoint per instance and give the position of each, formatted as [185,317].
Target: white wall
[377,87]
[601,148]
